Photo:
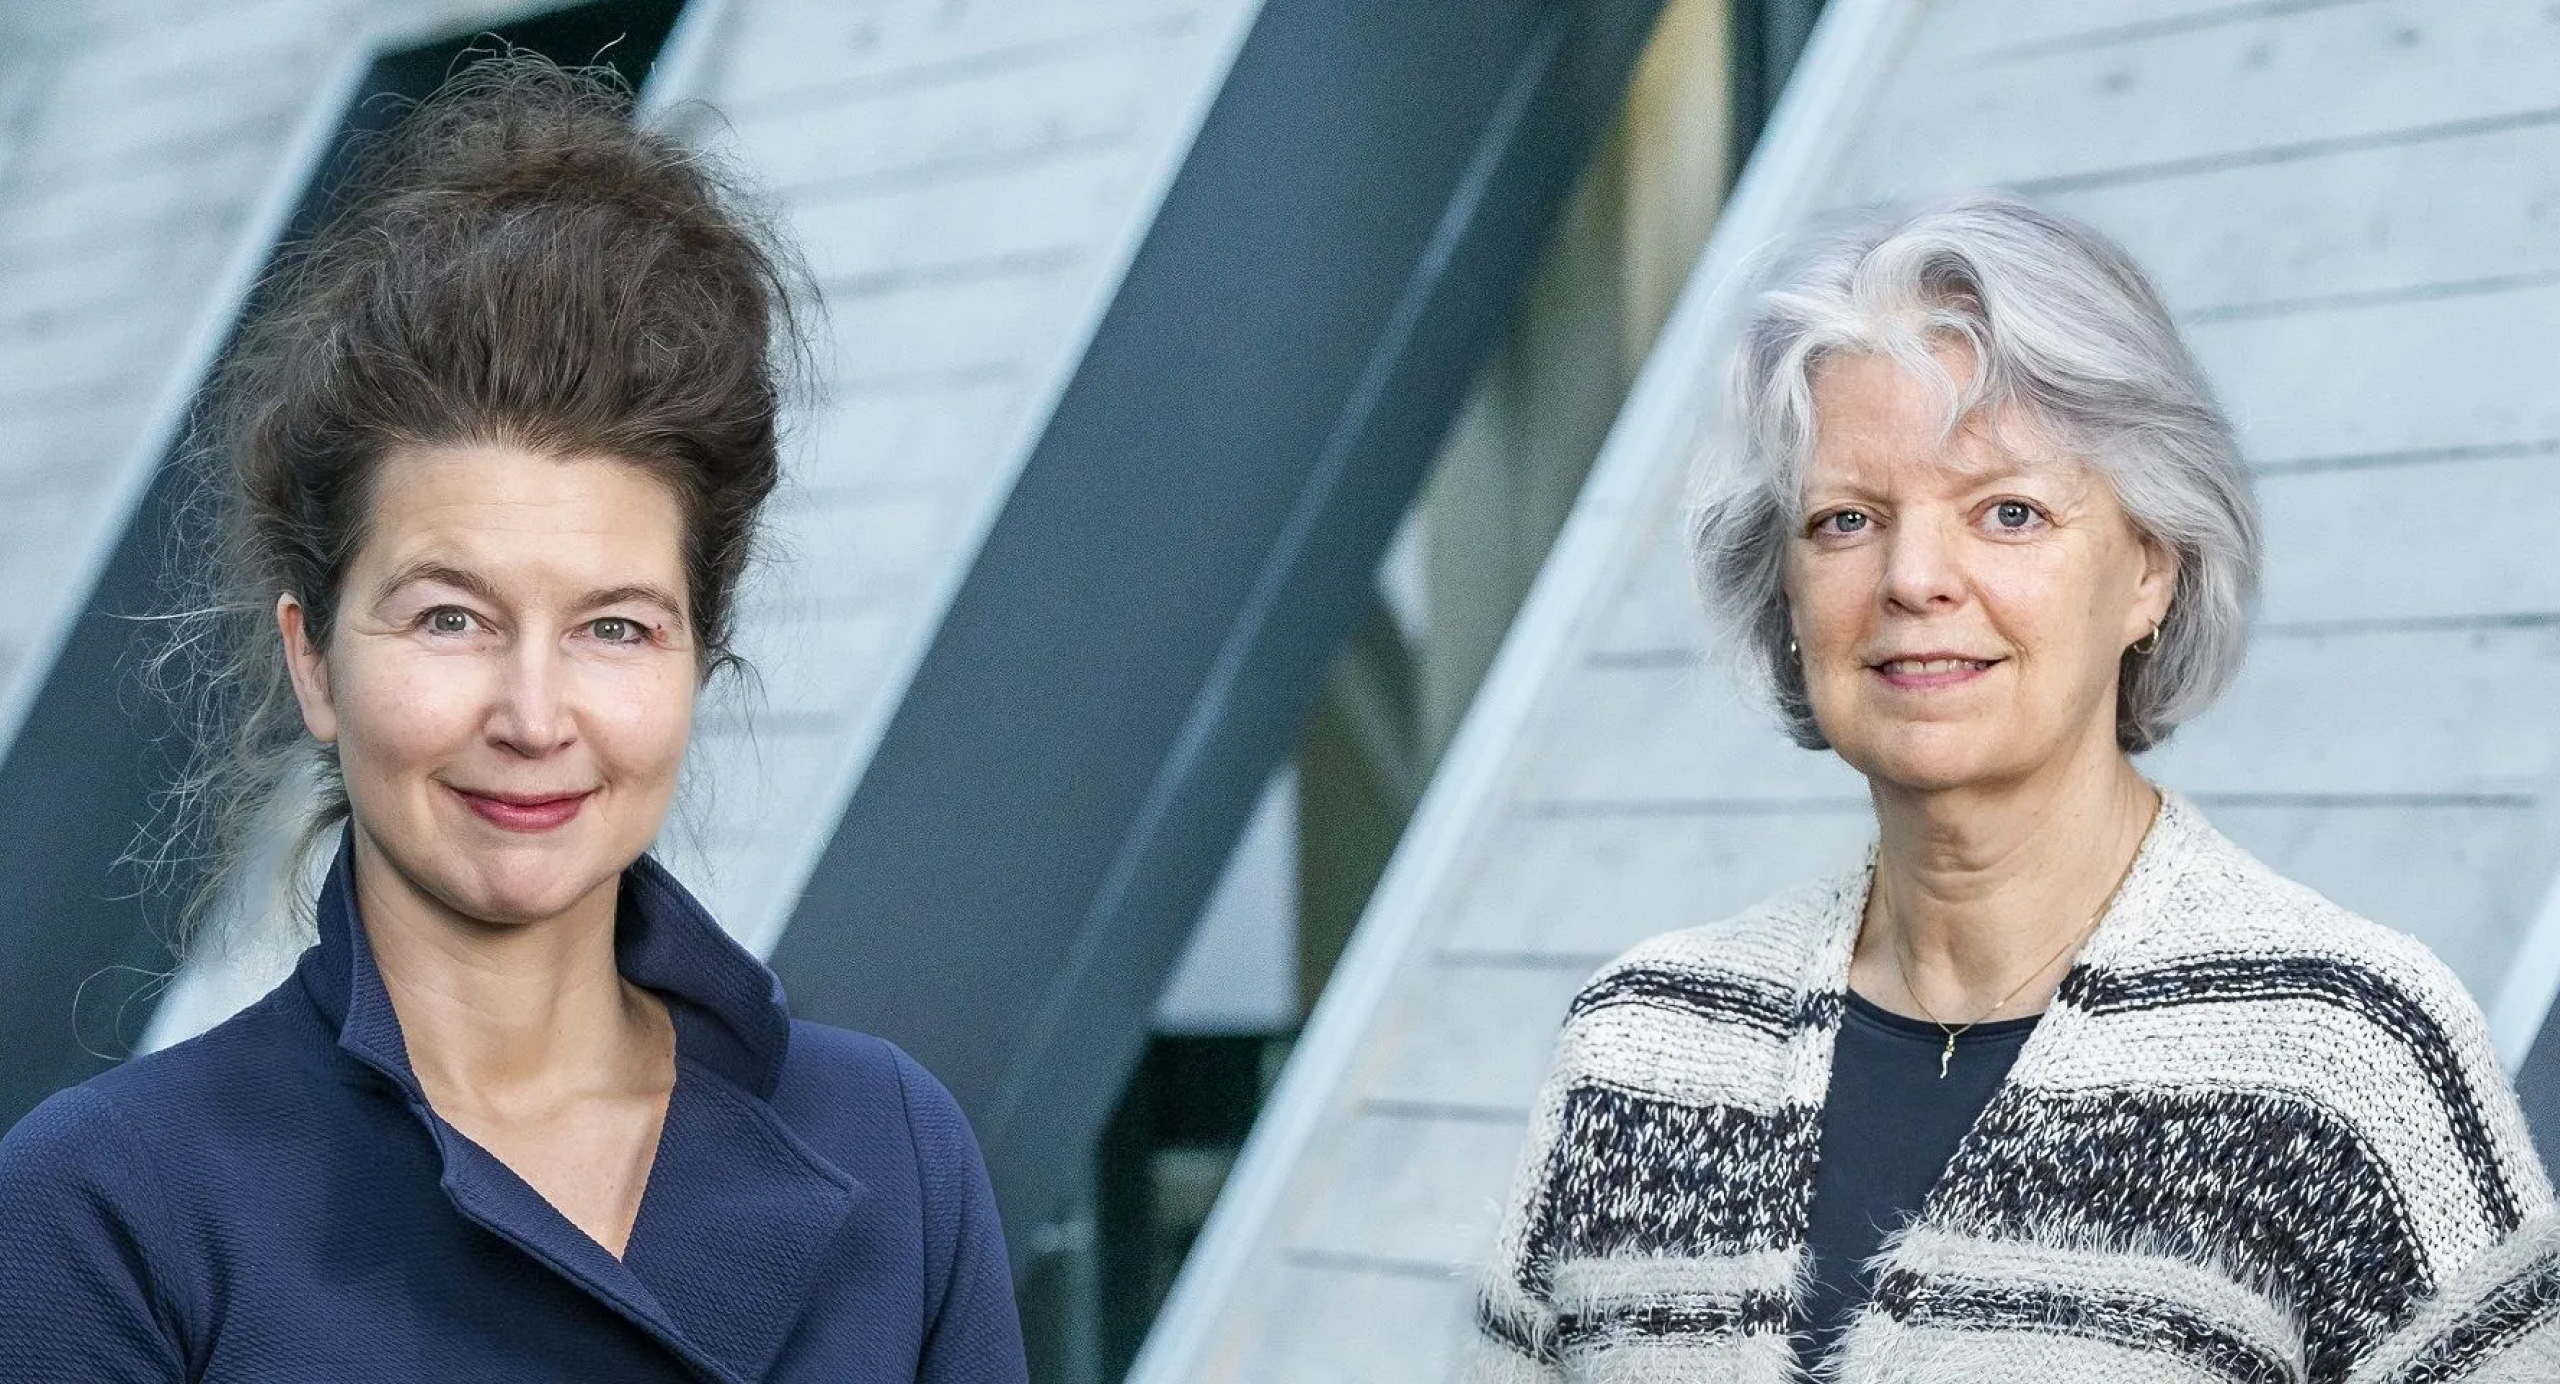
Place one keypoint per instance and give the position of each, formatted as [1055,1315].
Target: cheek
[1830,597]
[2059,614]
[642,719]
[399,710]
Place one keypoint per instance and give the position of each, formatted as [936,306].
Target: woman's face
[1960,608]
[510,682]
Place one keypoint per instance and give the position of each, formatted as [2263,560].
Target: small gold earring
[2149,642]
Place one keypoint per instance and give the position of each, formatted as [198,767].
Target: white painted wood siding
[968,182]
[2354,207]
[143,137]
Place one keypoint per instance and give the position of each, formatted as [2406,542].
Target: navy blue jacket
[274,1201]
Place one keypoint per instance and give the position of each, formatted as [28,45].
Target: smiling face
[510,680]
[1961,609]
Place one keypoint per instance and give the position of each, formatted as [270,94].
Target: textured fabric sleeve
[1514,1336]
[78,1297]
[2494,1316]
[2496,1322]
[973,1335]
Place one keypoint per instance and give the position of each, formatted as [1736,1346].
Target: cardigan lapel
[1866,1351]
[1821,1001]
[2157,865]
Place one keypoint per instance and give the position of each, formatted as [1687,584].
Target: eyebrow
[644,593]
[473,584]
[442,574]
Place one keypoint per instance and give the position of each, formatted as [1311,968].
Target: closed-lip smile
[526,812]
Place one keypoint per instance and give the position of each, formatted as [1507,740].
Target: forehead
[507,510]
[1879,420]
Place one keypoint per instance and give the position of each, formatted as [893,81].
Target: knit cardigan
[2255,1138]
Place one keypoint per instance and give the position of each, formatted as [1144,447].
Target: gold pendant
[1946,1057]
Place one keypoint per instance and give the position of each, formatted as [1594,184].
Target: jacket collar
[739,1214]
[729,1009]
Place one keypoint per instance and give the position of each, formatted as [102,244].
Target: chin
[520,888]
[1933,758]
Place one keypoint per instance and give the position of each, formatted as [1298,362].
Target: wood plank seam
[2310,304]
[927,275]
[954,70]
[2114,35]
[961,168]
[2294,151]
[2424,456]
[1390,1266]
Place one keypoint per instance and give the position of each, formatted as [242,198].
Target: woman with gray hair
[2059,1084]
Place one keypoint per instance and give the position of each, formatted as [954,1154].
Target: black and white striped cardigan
[2255,1138]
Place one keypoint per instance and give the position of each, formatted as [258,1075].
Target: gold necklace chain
[1947,1055]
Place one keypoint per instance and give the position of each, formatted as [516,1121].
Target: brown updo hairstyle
[518,263]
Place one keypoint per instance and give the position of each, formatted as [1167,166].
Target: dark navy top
[1889,1127]
[275,1201]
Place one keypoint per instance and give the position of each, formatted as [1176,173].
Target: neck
[1984,889]
[502,1016]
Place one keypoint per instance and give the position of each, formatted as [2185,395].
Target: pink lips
[523,812]
[1922,672]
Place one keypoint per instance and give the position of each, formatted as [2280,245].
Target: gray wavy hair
[2063,326]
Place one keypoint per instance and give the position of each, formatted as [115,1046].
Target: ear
[309,670]
[2154,589]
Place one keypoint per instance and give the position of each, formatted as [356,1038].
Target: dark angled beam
[2538,1086]
[1768,36]
[1149,621]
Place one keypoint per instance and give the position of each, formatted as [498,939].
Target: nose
[1923,572]
[532,716]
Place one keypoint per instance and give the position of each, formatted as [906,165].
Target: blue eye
[1846,521]
[447,620]
[2013,514]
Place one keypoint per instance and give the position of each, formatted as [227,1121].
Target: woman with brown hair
[495,457]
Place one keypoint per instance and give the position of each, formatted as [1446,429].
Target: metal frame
[36,1026]
[2524,1000]
[168,415]
[1850,49]
[1151,614]
[2524,1024]
[860,740]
